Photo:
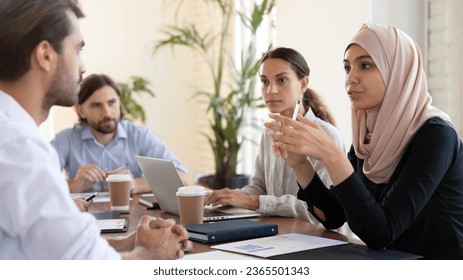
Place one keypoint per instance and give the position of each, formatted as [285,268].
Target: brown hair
[310,98]
[26,23]
[93,83]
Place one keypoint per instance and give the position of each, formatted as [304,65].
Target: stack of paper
[277,245]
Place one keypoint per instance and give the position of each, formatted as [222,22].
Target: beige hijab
[405,107]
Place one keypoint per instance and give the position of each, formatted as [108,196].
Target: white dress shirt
[38,219]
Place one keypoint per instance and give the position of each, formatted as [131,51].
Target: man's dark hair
[26,23]
[93,83]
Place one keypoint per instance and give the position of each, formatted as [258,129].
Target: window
[253,125]
[445,57]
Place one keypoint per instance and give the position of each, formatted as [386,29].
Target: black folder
[230,230]
[347,252]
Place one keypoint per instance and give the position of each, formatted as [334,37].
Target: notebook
[164,181]
[231,230]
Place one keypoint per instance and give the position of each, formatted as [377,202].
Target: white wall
[445,60]
[408,15]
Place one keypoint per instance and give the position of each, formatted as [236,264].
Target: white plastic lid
[191,191]
[119,178]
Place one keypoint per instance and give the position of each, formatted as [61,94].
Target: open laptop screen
[164,180]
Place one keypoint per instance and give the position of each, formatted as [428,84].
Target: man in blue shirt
[102,142]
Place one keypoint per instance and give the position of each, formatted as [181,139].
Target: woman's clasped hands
[295,140]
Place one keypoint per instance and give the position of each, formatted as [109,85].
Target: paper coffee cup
[119,186]
[191,204]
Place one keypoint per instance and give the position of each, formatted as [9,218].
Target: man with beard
[40,43]
[102,141]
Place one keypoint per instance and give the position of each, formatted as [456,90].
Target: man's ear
[79,111]
[45,56]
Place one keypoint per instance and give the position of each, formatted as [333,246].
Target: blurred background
[120,36]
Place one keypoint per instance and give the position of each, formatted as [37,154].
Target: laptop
[164,181]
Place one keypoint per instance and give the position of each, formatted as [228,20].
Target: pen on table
[92,196]
[296,109]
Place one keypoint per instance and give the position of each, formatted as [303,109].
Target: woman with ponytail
[273,188]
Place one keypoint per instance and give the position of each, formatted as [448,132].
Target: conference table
[285,225]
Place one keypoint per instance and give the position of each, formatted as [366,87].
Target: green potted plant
[130,107]
[227,102]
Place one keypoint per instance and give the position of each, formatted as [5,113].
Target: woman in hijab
[401,186]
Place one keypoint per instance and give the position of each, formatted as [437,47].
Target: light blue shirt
[78,146]
[38,219]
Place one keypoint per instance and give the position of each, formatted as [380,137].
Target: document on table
[218,255]
[101,197]
[279,244]
[112,225]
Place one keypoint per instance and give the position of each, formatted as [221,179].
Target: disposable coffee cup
[191,204]
[119,186]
